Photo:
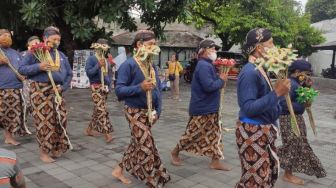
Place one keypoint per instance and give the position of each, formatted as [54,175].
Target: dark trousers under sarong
[100,118]
[50,122]
[257,153]
[142,158]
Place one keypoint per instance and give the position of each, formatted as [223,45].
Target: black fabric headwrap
[143,35]
[254,37]
[51,30]
[301,65]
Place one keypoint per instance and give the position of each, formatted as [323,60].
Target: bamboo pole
[58,96]
[20,76]
[295,126]
[311,120]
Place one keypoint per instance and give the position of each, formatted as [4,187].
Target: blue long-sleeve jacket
[205,89]
[8,79]
[30,67]
[255,99]
[128,86]
[93,71]
[297,107]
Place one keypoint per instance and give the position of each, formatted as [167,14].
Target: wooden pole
[333,61]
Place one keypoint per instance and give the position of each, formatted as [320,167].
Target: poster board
[80,79]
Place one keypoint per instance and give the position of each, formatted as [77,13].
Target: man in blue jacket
[258,101]
[98,70]
[12,114]
[203,135]
[137,79]
[50,117]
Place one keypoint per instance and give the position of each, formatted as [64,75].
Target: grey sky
[303,2]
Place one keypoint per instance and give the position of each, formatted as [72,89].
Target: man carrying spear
[98,70]
[138,85]
[203,135]
[12,114]
[51,76]
[258,100]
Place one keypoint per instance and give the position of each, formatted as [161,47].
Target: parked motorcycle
[189,70]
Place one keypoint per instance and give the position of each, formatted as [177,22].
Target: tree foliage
[321,9]
[232,19]
[76,18]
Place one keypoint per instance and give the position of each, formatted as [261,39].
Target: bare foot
[217,165]
[175,160]
[89,132]
[293,179]
[108,138]
[46,158]
[12,141]
[56,155]
[117,173]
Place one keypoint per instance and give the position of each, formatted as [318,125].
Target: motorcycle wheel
[187,77]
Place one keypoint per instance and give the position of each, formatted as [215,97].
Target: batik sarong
[295,154]
[141,158]
[50,119]
[12,115]
[257,153]
[203,136]
[100,118]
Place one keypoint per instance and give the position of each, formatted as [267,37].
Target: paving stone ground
[89,164]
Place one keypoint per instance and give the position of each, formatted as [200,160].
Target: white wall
[320,60]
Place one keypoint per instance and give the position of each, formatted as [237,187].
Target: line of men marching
[261,104]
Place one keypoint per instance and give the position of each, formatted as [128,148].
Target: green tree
[76,18]
[321,9]
[232,19]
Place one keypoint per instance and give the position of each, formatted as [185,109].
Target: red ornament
[225,62]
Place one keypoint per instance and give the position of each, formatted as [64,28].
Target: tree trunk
[226,43]
[69,43]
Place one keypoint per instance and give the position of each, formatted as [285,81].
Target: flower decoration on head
[101,45]
[104,47]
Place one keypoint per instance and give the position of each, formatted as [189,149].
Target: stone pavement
[89,165]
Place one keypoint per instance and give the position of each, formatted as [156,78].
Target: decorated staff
[99,70]
[224,66]
[138,84]
[51,74]
[12,113]
[145,56]
[259,111]
[296,155]
[277,60]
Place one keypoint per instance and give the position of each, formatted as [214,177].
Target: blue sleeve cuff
[274,97]
[34,69]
